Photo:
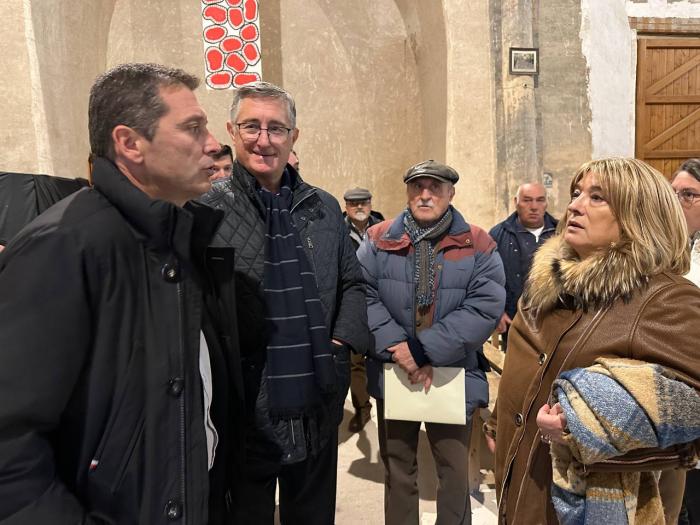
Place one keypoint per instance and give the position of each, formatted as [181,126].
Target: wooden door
[668,101]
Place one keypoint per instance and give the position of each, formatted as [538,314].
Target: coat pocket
[341,360]
[119,453]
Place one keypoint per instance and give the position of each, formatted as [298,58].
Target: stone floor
[360,480]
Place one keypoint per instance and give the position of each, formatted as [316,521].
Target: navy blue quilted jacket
[324,236]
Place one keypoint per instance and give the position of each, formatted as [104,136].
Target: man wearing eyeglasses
[301,309]
[686,184]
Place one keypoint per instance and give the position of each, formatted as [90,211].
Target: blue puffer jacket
[469,300]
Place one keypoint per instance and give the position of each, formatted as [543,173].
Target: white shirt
[207,393]
[694,273]
[536,232]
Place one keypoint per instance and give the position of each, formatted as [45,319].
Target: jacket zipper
[592,324]
[309,194]
[309,243]
[183,455]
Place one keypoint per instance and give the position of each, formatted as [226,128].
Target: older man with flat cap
[435,292]
[358,217]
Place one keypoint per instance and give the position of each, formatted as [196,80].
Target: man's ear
[295,135]
[231,131]
[128,143]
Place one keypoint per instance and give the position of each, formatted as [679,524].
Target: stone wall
[380,85]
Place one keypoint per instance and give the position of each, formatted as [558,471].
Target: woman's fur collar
[559,277]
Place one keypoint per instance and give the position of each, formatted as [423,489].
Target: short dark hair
[225,150]
[129,95]
[690,166]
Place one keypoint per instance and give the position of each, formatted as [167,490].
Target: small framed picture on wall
[524,60]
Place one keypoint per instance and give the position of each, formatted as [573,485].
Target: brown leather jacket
[659,322]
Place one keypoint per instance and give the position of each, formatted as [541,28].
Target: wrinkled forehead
[532,191]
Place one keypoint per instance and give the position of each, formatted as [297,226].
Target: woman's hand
[491,443]
[552,423]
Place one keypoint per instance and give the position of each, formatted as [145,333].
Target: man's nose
[211,145]
[263,138]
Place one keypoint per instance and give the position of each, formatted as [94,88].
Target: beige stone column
[519,157]
[471,127]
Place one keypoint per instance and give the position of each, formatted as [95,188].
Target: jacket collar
[159,224]
[396,237]
[559,277]
[241,176]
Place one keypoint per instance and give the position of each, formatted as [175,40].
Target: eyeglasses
[687,197]
[250,132]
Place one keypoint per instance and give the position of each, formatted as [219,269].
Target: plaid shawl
[613,407]
[300,364]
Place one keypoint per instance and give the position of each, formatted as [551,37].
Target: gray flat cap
[430,168]
[357,194]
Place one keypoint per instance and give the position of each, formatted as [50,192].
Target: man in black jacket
[113,404]
[301,309]
[518,237]
[359,216]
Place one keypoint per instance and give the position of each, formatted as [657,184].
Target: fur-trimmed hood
[559,277]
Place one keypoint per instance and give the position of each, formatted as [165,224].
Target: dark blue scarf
[299,360]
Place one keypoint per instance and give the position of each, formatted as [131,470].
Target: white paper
[443,403]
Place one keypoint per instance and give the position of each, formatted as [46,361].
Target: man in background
[686,184]
[434,295]
[223,163]
[358,217]
[518,237]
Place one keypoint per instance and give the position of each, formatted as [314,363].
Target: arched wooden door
[668,101]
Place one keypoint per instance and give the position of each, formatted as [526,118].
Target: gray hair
[529,183]
[691,167]
[129,95]
[263,90]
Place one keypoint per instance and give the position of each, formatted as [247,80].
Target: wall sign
[231,35]
[524,61]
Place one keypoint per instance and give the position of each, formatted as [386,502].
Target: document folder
[443,403]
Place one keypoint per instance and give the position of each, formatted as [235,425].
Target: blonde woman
[608,285]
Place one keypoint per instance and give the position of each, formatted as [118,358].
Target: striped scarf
[299,360]
[612,407]
[424,240]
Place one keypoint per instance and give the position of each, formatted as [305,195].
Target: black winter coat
[323,233]
[101,414]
